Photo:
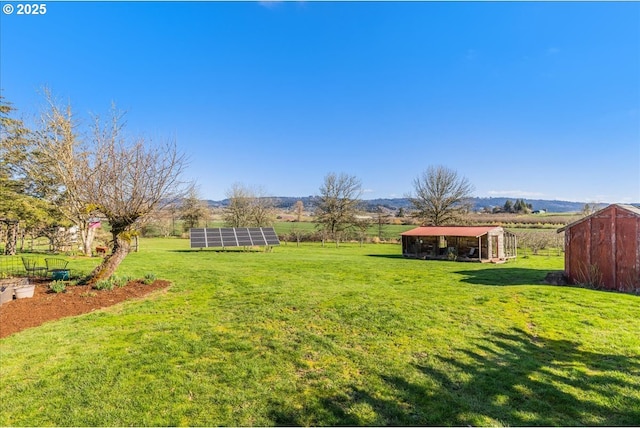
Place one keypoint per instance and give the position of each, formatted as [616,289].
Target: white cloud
[553,51]
[368,191]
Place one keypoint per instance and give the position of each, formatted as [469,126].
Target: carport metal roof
[472,231]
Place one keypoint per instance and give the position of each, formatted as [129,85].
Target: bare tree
[238,212]
[60,167]
[296,233]
[129,180]
[248,207]
[440,195]
[158,223]
[362,225]
[298,208]
[338,204]
[193,209]
[589,208]
[536,240]
[382,219]
[262,212]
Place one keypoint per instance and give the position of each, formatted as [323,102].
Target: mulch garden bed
[45,305]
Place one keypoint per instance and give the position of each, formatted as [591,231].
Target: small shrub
[149,278]
[105,284]
[119,281]
[590,276]
[58,286]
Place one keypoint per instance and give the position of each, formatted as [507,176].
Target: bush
[149,278]
[105,284]
[119,281]
[536,240]
[58,286]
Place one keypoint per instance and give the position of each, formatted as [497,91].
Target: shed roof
[632,209]
[474,231]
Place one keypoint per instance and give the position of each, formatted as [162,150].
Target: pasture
[315,335]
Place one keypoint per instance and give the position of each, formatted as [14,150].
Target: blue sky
[534,100]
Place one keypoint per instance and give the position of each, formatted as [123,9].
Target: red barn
[603,249]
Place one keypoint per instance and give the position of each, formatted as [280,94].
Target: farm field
[392,231]
[311,335]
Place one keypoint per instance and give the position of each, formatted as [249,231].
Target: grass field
[331,336]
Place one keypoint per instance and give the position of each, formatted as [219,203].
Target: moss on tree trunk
[109,265]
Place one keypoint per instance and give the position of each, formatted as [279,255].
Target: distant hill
[551,206]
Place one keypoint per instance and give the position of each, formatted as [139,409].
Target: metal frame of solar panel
[233,237]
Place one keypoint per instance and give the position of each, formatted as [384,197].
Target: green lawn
[331,336]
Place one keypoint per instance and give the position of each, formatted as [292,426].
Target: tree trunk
[87,234]
[12,238]
[111,262]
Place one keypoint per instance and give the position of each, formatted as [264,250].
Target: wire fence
[11,266]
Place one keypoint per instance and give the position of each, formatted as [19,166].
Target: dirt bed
[46,305]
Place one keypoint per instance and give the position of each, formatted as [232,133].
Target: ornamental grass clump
[149,278]
[58,286]
[119,281]
[104,284]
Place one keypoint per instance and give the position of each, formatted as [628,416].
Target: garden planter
[7,287]
[24,291]
[60,275]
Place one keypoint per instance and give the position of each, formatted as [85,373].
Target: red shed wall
[603,247]
[578,252]
[605,250]
[627,251]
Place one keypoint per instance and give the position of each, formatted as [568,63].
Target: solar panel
[270,236]
[213,238]
[198,238]
[233,237]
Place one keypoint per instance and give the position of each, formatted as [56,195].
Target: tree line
[58,174]
[440,196]
[517,207]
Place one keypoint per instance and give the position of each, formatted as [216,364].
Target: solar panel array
[233,237]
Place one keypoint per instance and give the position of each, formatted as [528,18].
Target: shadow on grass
[217,250]
[503,276]
[388,256]
[513,378]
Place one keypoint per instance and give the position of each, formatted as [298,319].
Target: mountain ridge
[478,203]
